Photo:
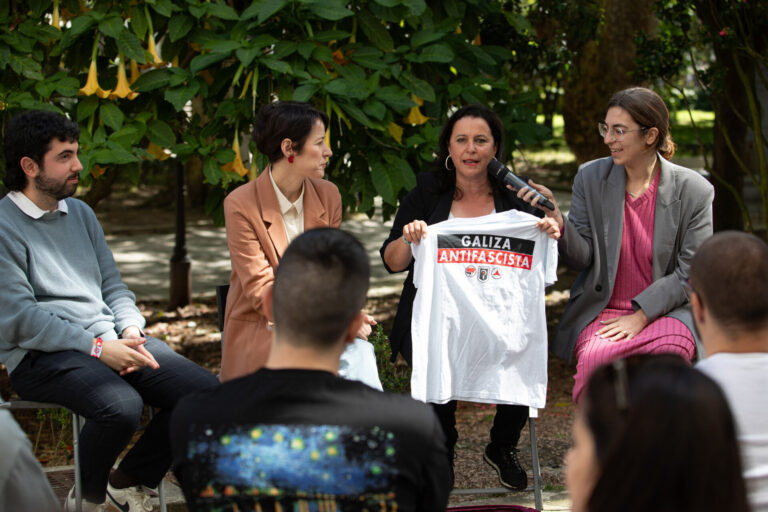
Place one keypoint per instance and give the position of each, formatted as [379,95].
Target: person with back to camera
[263,216]
[635,222]
[729,299]
[652,433]
[459,187]
[23,484]
[293,436]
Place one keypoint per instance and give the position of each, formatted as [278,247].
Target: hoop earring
[447,159]
[290,159]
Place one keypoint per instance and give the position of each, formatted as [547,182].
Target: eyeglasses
[617,132]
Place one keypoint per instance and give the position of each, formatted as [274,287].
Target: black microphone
[497,169]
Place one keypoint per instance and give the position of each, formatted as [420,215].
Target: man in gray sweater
[70,332]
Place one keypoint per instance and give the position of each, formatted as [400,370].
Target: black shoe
[503,458]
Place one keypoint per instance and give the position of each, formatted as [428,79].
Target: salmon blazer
[592,239]
[257,240]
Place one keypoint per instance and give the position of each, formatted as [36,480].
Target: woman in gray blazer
[635,222]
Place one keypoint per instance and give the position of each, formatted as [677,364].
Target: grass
[555,151]
[684,133]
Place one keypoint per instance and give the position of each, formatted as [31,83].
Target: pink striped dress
[663,335]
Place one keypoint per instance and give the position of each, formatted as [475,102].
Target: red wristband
[96,348]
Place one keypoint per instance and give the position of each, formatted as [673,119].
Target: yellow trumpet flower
[134,71]
[55,21]
[328,136]
[122,89]
[396,131]
[415,116]
[98,170]
[92,83]
[253,172]
[236,165]
[157,152]
[152,48]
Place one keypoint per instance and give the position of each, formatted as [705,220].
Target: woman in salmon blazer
[264,215]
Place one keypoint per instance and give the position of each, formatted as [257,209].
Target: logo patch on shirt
[470,270]
[483,275]
[504,251]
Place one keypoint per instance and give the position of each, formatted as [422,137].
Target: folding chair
[221,303]
[16,404]
[533,413]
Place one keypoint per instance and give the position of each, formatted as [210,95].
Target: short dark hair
[448,176]
[320,286]
[30,134]
[649,111]
[284,120]
[666,443]
[729,273]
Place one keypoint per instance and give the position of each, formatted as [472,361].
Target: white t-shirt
[479,330]
[744,379]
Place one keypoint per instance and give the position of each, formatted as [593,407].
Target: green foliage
[394,378]
[543,38]
[59,421]
[693,132]
[387,72]
[714,52]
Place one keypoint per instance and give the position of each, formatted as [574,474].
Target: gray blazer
[592,239]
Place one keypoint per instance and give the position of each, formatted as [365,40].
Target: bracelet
[96,348]
[406,242]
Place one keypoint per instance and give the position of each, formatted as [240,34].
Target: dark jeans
[507,423]
[112,406]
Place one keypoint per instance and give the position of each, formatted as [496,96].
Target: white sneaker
[70,505]
[130,499]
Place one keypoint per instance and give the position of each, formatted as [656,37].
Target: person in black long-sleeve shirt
[294,433]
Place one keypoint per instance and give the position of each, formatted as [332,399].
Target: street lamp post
[181,281]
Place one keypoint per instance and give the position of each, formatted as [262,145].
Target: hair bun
[668,148]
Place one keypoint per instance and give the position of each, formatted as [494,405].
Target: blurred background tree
[712,53]
[163,81]
[160,83]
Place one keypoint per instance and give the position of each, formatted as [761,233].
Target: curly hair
[30,134]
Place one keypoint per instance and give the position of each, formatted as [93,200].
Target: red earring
[290,158]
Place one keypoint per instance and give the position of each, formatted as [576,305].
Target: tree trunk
[101,188]
[603,67]
[726,102]
[734,136]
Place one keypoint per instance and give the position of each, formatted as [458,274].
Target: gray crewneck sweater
[60,285]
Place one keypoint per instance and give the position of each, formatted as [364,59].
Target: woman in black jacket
[460,186]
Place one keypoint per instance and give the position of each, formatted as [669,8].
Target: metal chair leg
[161,496]
[536,467]
[76,447]
[161,485]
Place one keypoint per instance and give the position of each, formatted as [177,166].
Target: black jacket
[426,202]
